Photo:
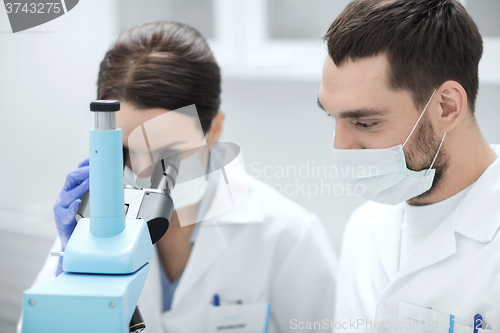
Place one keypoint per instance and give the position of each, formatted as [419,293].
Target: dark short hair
[427,42]
[162,65]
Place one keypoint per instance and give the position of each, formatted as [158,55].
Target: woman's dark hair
[162,65]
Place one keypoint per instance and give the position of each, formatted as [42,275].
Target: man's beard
[421,153]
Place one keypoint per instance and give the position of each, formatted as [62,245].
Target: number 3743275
[33,8]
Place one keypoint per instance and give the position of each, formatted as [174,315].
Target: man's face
[370,115]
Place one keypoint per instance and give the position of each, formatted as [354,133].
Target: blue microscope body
[106,259]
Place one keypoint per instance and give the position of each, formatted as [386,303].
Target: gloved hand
[77,183]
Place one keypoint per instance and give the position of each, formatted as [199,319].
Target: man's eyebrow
[362,113]
[356,114]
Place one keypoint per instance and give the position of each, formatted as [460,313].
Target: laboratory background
[271,56]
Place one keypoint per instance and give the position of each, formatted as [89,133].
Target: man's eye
[365,125]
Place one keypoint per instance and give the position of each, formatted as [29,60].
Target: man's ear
[215,129]
[452,100]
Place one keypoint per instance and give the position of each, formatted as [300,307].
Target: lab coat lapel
[478,218]
[440,245]
[387,237]
[210,244]
[387,240]
[211,241]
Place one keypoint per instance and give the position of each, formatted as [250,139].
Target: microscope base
[75,302]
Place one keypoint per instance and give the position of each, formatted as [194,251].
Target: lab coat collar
[247,211]
[478,216]
[480,201]
[210,244]
[235,199]
[212,239]
[387,241]
[440,245]
[386,238]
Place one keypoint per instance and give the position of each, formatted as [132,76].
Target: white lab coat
[266,249]
[457,270]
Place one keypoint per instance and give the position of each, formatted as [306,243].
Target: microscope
[106,260]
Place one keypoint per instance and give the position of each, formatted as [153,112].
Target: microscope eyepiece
[104,117]
[105,106]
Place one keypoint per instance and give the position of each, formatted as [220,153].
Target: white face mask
[382,175]
[188,190]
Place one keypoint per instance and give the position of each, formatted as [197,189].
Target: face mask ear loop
[426,173]
[430,99]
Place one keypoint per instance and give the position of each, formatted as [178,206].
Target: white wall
[47,79]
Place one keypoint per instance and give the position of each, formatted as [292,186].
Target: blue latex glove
[77,183]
